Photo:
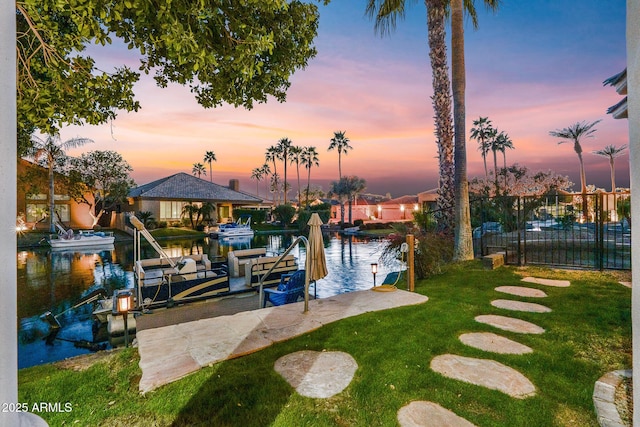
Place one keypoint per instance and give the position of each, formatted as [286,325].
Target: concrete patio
[168,353]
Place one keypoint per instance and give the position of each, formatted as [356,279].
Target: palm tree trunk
[463,243]
[298,173]
[504,161]
[613,174]
[436,13]
[308,185]
[484,159]
[495,169]
[583,184]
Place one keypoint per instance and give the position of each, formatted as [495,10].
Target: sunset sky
[531,67]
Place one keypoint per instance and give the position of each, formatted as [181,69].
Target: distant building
[370,207]
[166,197]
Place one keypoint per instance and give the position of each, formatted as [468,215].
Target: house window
[37,211]
[223,212]
[171,210]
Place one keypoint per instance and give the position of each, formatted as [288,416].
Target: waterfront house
[166,197]
[33,200]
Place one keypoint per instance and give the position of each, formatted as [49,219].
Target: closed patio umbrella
[316,263]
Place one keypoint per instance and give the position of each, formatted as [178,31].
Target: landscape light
[374,270]
[123,304]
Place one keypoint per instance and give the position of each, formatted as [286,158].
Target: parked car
[487,227]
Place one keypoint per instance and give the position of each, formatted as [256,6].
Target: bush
[433,250]
[258,216]
[304,216]
[284,214]
[162,224]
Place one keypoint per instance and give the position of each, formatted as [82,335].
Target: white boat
[69,239]
[236,229]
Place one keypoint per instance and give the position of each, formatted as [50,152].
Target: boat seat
[291,288]
[239,259]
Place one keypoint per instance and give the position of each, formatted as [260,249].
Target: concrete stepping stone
[547,282]
[428,414]
[317,374]
[509,324]
[494,343]
[486,373]
[520,306]
[521,291]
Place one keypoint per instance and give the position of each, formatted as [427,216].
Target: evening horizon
[521,72]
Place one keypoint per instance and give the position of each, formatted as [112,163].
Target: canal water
[54,281]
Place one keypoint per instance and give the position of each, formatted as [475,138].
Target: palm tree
[296,157]
[209,157]
[338,191]
[482,132]
[271,155]
[463,239]
[256,173]
[266,171]
[284,145]
[494,144]
[51,153]
[575,133]
[198,170]
[341,143]
[386,13]
[353,186]
[502,142]
[611,151]
[309,159]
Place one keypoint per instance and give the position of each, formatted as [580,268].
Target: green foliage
[623,209]
[99,179]
[284,213]
[227,52]
[146,217]
[305,215]
[432,252]
[586,335]
[258,216]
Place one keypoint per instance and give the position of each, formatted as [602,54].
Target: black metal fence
[557,230]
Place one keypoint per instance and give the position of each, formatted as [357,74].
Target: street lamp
[374,270]
[379,212]
[404,216]
[123,304]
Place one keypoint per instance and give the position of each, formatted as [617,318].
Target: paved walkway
[169,353]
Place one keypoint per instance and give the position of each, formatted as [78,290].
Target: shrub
[304,216]
[284,213]
[162,224]
[258,216]
[433,250]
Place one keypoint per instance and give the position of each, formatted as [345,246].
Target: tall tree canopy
[226,52]
[99,179]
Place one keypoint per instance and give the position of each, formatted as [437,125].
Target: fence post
[600,218]
[518,232]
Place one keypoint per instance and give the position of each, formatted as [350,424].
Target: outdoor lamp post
[123,304]
[379,212]
[404,216]
[374,270]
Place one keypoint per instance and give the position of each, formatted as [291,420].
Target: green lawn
[588,333]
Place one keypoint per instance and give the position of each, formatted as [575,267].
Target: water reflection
[55,280]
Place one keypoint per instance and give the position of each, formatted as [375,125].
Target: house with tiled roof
[166,197]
